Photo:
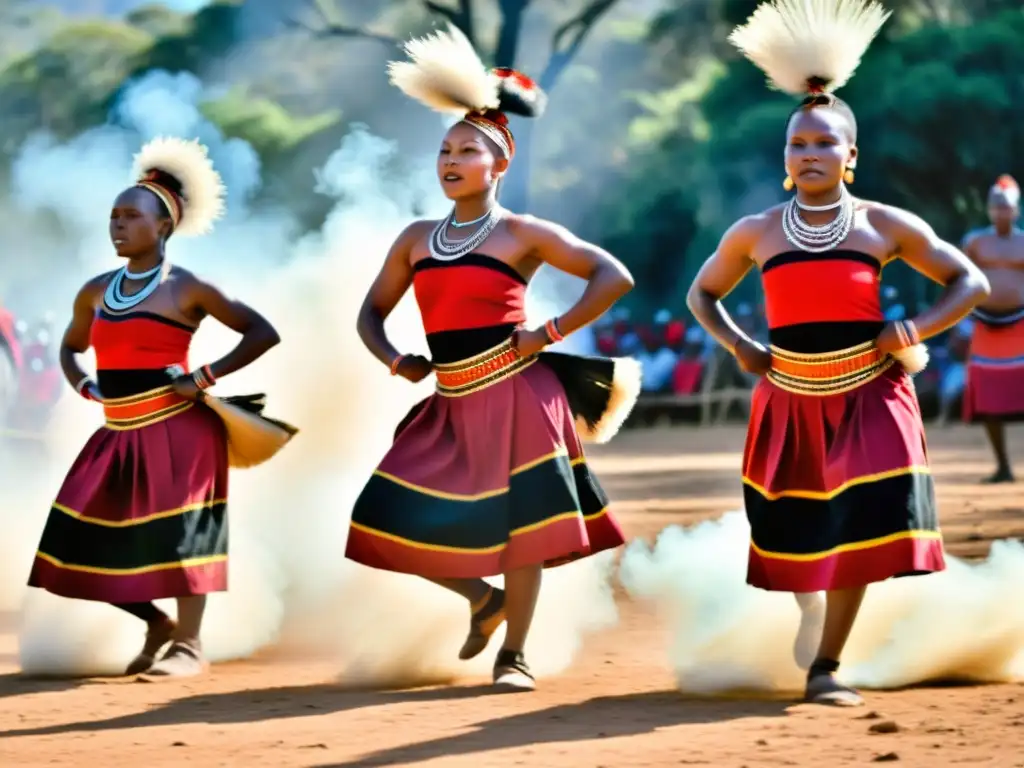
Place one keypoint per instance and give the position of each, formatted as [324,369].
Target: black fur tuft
[518,95]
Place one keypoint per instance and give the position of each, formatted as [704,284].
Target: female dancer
[835,472]
[487,476]
[142,515]
[995,369]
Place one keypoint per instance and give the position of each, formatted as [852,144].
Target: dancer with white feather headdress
[142,515]
[488,476]
[836,481]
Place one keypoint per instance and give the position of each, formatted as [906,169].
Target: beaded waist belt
[481,371]
[829,373]
[143,409]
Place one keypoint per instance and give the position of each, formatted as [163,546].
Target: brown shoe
[181,660]
[157,636]
[488,614]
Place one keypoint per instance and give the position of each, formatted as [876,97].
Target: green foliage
[204,37]
[939,114]
[66,84]
[159,20]
[267,126]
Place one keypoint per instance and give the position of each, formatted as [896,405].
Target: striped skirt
[837,485]
[481,483]
[142,515]
[995,368]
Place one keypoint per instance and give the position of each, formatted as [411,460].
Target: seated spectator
[657,361]
[689,370]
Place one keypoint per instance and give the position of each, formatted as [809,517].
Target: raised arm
[76,339]
[722,272]
[607,279]
[387,290]
[917,244]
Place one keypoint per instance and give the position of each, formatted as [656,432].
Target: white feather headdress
[201,200]
[445,74]
[800,44]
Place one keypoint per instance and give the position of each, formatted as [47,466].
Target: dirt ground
[615,707]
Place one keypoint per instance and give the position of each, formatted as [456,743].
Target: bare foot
[825,689]
[511,673]
[488,615]
[157,636]
[181,660]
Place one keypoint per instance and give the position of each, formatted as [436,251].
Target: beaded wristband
[901,334]
[203,377]
[912,334]
[395,363]
[551,329]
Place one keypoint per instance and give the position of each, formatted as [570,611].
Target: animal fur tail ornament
[809,46]
[913,359]
[181,174]
[253,438]
[601,391]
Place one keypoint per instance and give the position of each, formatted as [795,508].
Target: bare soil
[616,706]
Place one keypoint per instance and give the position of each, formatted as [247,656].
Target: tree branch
[569,38]
[580,26]
[328,26]
[461,17]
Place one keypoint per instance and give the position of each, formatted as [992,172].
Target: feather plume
[202,191]
[798,43]
[445,74]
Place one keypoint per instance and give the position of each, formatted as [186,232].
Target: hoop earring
[787,184]
[848,177]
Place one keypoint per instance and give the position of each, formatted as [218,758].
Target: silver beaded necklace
[117,301]
[818,238]
[444,248]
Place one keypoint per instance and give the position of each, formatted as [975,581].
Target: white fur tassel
[625,389]
[445,74]
[201,186]
[913,359]
[794,40]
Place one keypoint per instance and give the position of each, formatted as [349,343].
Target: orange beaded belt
[829,373]
[481,371]
[143,409]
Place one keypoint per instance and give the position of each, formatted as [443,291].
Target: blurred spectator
[689,370]
[953,376]
[657,361]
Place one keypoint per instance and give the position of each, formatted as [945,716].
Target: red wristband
[551,329]
[395,363]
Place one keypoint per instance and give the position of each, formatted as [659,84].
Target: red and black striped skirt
[837,487]
[481,483]
[142,515]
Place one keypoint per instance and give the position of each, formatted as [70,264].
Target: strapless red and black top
[468,305]
[134,350]
[822,302]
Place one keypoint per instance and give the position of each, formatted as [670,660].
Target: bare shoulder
[745,232]
[527,225]
[892,220]
[417,230]
[95,286]
[185,278]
